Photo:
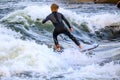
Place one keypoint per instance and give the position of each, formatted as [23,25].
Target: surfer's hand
[71,29]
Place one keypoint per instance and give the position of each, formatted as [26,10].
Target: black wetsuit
[57,20]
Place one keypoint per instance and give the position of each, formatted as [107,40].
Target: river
[26,45]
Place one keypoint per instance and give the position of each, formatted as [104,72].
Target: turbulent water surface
[26,45]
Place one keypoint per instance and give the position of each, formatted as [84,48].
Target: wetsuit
[57,20]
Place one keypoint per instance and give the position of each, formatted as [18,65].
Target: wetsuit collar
[54,12]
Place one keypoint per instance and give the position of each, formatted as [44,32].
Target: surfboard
[89,49]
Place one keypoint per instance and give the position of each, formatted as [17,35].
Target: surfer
[57,19]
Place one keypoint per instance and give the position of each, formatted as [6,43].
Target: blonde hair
[54,7]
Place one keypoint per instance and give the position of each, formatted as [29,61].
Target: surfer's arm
[45,20]
[66,21]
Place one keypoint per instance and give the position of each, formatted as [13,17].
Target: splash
[25,58]
[18,56]
[31,14]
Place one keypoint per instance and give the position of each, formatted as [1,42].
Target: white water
[17,56]
[94,22]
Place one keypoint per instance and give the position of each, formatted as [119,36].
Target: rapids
[26,45]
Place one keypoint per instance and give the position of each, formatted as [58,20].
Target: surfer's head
[54,7]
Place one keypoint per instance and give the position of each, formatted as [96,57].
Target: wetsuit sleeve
[66,21]
[45,20]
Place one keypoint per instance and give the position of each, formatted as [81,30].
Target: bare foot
[58,47]
[80,47]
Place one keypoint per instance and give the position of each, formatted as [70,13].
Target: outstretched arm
[45,20]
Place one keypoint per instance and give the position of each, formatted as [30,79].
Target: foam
[93,22]
[18,56]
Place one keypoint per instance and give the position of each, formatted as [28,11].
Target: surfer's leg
[55,34]
[72,38]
